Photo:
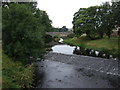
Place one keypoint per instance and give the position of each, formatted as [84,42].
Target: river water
[67,49]
[67,71]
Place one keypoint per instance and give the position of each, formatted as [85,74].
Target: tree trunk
[108,35]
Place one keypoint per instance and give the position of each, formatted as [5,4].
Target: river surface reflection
[65,49]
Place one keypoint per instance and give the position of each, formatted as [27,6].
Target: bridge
[61,34]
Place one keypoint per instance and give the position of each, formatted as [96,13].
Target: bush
[71,35]
[22,33]
[56,38]
[48,38]
[15,75]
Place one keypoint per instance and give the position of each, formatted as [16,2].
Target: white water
[61,40]
[65,49]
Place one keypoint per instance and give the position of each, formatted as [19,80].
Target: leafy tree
[63,29]
[107,24]
[48,38]
[44,20]
[54,29]
[84,22]
[96,21]
[78,21]
[116,14]
[0,23]
[22,32]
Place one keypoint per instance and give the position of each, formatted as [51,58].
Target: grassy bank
[104,44]
[0,67]
[15,74]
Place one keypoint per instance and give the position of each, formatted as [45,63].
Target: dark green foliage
[54,29]
[84,22]
[71,35]
[107,19]
[63,29]
[56,38]
[0,23]
[116,11]
[44,20]
[15,74]
[24,29]
[48,38]
[96,21]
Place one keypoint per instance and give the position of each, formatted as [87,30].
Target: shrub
[71,35]
[22,33]
[56,38]
[15,75]
[48,38]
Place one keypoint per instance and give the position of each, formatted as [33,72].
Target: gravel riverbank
[108,66]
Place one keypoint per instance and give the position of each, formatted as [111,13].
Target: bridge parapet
[58,33]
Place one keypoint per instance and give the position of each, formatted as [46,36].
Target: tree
[116,14]
[0,23]
[96,21]
[48,38]
[22,32]
[107,24]
[78,21]
[84,22]
[44,20]
[63,29]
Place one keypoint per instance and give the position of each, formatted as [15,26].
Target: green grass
[110,44]
[0,68]
[15,74]
[104,44]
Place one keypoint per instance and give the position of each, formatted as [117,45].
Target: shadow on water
[90,52]
[39,77]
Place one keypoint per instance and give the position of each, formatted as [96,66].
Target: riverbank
[16,75]
[105,44]
[87,62]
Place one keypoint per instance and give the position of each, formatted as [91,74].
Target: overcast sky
[61,11]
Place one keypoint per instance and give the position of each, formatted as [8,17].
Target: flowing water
[67,49]
[67,71]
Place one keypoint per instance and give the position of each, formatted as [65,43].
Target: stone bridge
[61,34]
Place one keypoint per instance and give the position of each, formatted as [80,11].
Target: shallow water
[61,40]
[61,75]
[67,49]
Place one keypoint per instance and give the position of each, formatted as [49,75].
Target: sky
[61,11]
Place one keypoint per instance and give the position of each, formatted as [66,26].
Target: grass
[15,74]
[104,44]
[0,68]
[110,44]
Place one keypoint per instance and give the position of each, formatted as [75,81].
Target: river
[67,49]
[66,70]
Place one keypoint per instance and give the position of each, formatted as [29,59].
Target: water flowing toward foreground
[67,49]
[66,70]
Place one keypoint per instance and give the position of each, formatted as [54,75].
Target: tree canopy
[24,28]
[96,21]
